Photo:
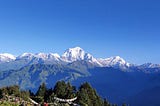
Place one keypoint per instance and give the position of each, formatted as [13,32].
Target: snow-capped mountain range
[69,56]
[5,57]
[29,70]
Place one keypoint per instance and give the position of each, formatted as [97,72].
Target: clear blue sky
[104,28]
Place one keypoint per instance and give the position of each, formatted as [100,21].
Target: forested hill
[85,95]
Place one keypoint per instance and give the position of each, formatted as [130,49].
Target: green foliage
[124,104]
[41,91]
[40,95]
[59,89]
[49,95]
[25,95]
[31,93]
[1,94]
[106,103]
[88,96]
[8,104]
[14,91]
[64,90]
[34,74]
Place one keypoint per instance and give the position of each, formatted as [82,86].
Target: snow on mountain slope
[48,57]
[69,56]
[73,54]
[54,56]
[114,62]
[28,56]
[5,57]
[93,60]
[78,54]
[149,65]
[42,56]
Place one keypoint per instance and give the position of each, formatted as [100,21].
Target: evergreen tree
[87,96]
[31,93]
[60,89]
[47,96]
[70,91]
[15,90]
[106,103]
[1,94]
[124,104]
[24,95]
[41,91]
[63,90]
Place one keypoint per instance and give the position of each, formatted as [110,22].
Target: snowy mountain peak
[73,54]
[5,57]
[75,51]
[114,61]
[76,48]
[78,54]
[26,54]
[50,56]
[54,55]
[9,56]
[118,59]
[150,65]
[41,55]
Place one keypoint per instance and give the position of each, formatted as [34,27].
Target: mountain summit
[116,61]
[75,65]
[6,57]
[73,54]
[78,54]
[69,56]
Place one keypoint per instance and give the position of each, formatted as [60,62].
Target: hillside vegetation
[85,95]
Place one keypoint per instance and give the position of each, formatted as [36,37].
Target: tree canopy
[85,95]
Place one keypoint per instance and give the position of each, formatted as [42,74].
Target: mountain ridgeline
[113,78]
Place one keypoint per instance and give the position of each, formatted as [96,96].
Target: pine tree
[31,93]
[106,103]
[15,90]
[41,91]
[47,97]
[24,95]
[63,90]
[1,94]
[124,104]
[60,89]
[88,96]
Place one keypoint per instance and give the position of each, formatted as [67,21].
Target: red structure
[45,104]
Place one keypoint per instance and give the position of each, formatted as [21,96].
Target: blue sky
[104,28]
